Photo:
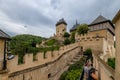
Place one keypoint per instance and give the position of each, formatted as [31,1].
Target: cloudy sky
[38,17]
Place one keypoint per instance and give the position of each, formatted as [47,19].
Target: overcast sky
[38,17]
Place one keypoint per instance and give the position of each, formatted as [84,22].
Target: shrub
[73,37]
[50,42]
[66,41]
[88,52]
[66,35]
[63,76]
[111,62]
[74,70]
[73,74]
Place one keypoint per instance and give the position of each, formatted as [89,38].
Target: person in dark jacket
[92,74]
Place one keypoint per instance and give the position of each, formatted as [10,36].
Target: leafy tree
[66,41]
[66,35]
[82,29]
[22,44]
[73,37]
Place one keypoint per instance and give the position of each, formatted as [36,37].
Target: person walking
[86,71]
[92,74]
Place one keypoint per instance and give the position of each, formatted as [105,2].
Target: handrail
[107,67]
[82,75]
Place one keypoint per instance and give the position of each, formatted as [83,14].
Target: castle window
[100,26]
[49,75]
[97,35]
[81,48]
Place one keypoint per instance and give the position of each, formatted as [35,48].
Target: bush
[88,52]
[73,74]
[66,35]
[73,37]
[50,42]
[63,76]
[74,70]
[111,62]
[66,41]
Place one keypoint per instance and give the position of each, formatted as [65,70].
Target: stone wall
[104,72]
[51,67]
[101,40]
[117,32]
[1,52]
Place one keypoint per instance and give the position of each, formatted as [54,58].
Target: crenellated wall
[43,68]
[101,40]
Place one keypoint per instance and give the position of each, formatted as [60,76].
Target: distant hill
[24,43]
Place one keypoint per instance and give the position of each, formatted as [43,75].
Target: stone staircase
[75,59]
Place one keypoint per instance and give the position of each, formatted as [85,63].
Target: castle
[101,29]
[100,38]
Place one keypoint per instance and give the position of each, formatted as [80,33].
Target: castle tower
[60,28]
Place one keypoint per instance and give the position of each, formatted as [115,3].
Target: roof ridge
[99,19]
[3,34]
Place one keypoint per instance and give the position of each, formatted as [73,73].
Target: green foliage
[24,39]
[111,62]
[20,59]
[74,70]
[73,37]
[63,76]
[73,75]
[66,35]
[82,29]
[66,41]
[51,42]
[88,52]
[22,44]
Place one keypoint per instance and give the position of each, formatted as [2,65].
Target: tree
[73,37]
[66,35]
[82,29]
[66,41]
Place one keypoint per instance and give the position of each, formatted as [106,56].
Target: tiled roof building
[4,35]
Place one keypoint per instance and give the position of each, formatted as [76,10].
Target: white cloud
[40,16]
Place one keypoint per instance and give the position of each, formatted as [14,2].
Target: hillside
[24,43]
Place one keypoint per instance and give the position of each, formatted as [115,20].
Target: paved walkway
[84,77]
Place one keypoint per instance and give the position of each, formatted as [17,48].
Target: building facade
[116,21]
[99,37]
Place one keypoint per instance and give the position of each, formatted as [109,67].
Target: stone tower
[60,29]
